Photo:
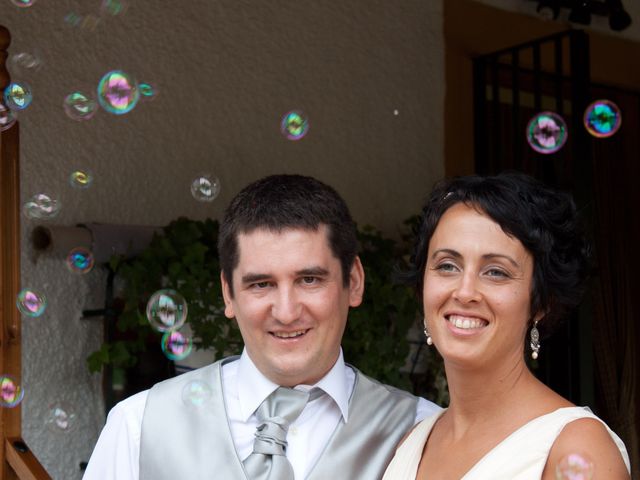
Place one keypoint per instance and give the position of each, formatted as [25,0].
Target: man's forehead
[275,231]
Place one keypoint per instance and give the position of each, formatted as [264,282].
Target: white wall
[226,70]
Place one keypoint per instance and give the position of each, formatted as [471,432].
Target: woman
[499,259]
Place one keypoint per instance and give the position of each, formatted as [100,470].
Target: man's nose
[286,307]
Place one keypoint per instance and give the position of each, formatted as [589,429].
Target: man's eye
[260,285]
[309,280]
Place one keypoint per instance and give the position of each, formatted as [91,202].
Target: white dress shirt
[116,454]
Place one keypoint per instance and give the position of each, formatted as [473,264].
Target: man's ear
[227,296]
[356,283]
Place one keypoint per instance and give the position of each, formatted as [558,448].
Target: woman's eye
[496,272]
[446,267]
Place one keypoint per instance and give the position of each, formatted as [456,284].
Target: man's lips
[290,334]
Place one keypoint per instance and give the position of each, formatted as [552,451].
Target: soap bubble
[17,96]
[176,345]
[7,118]
[602,118]
[80,260]
[196,392]
[73,19]
[547,132]
[81,178]
[294,125]
[574,467]
[60,418]
[79,106]
[118,92]
[113,7]
[205,187]
[166,310]
[11,394]
[23,3]
[30,303]
[147,91]
[41,206]
[25,61]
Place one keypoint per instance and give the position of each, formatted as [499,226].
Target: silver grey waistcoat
[180,441]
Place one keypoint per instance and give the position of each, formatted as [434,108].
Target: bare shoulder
[590,439]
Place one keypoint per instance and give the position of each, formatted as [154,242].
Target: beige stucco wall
[226,71]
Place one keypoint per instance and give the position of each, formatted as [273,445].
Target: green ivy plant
[184,258]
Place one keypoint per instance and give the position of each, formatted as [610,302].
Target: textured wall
[226,71]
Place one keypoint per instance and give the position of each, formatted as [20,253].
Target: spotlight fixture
[548,9]
[580,13]
[619,19]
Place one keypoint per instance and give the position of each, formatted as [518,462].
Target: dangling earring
[535,340]
[427,334]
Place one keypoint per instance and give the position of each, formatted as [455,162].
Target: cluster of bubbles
[31,303]
[205,187]
[118,93]
[294,125]
[17,95]
[574,467]
[108,8]
[11,393]
[547,131]
[167,313]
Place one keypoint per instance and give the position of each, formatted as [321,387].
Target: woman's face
[477,290]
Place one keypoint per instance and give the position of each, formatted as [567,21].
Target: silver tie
[268,460]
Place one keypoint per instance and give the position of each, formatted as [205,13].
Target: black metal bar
[516,135]
[495,123]
[559,78]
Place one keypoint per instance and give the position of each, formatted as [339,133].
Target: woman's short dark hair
[544,220]
[280,202]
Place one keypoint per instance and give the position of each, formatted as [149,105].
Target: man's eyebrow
[313,272]
[255,277]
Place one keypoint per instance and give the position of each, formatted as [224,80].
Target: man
[290,273]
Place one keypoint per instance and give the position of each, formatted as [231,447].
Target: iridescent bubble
[41,206]
[60,418]
[205,187]
[196,393]
[81,179]
[23,3]
[574,467]
[118,92]
[294,125]
[166,310]
[11,393]
[147,91]
[176,345]
[26,61]
[547,132]
[602,118]
[30,303]
[17,96]
[73,19]
[7,118]
[114,7]
[80,260]
[79,106]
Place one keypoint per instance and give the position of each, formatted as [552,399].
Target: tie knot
[284,403]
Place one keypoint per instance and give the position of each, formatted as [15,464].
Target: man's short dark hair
[280,202]
[544,220]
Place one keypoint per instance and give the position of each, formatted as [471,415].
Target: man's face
[290,302]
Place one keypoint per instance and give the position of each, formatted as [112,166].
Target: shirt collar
[254,387]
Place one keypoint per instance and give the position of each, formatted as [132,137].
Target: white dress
[520,456]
